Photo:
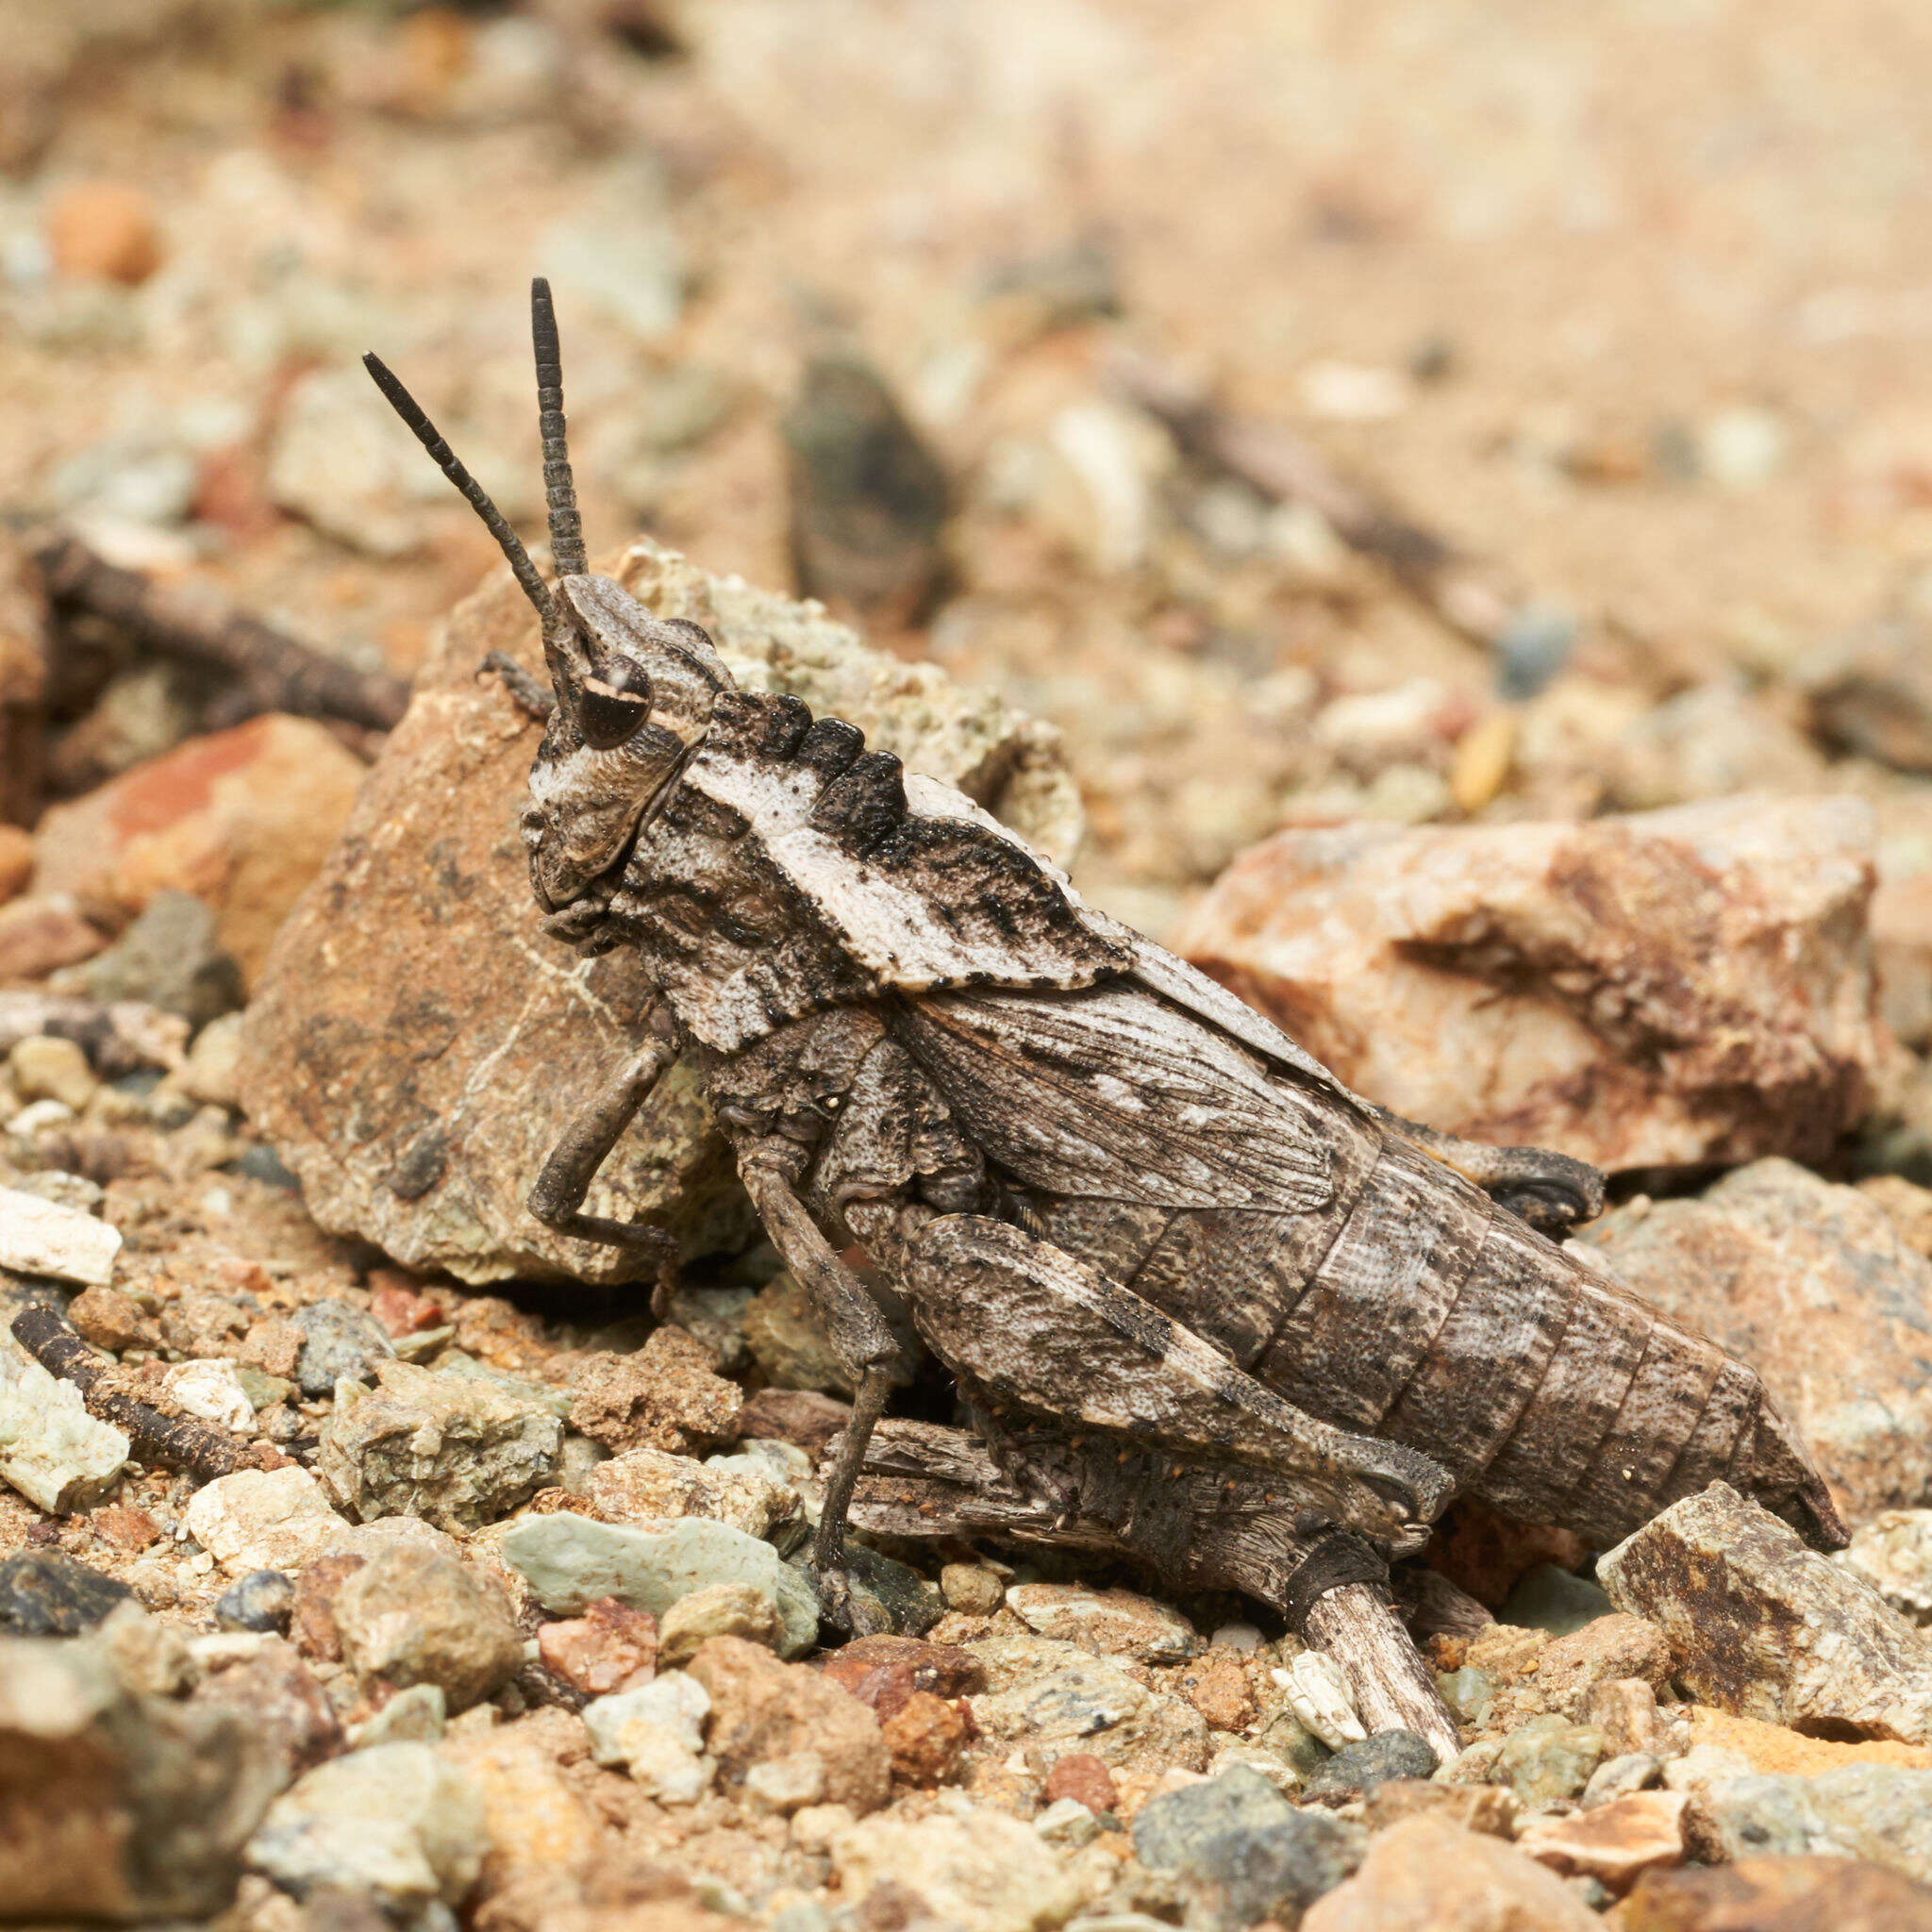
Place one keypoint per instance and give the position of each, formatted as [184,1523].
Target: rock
[44,1593]
[1358,1769]
[435,1169]
[883,1672]
[16,859]
[104,231]
[655,1731]
[785,1786]
[648,1484]
[800,1417]
[113,1321]
[720,1610]
[455,1451]
[1783,1267]
[763,1710]
[570,1562]
[788,1341]
[868,497]
[1605,1651]
[57,1455]
[666,1396]
[926,1739]
[1870,694]
[1321,1699]
[1218,1688]
[1759,1625]
[419,1715]
[411,1616]
[1802,1895]
[46,1067]
[538,1820]
[984,1872]
[1663,989]
[1877,1812]
[118,1806]
[262,1600]
[272,1691]
[1054,1699]
[1612,1842]
[1617,1777]
[396,1823]
[1085,1779]
[611,1648]
[1425,1875]
[242,818]
[1549,1758]
[172,958]
[210,1390]
[41,1237]
[972,1588]
[42,933]
[1242,1852]
[214,1072]
[1472,1807]
[263,1518]
[1892,1552]
[1109,1623]
[1776,1748]
[339,1340]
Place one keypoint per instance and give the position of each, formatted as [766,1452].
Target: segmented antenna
[407,407]
[559,490]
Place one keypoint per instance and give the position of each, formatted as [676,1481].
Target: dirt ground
[1629,303]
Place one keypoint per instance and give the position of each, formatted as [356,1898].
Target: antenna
[559,492]
[407,407]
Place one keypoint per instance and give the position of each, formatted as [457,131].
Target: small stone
[40,1236]
[457,1451]
[761,1709]
[16,859]
[1617,1777]
[1218,1688]
[42,933]
[1425,1875]
[926,1738]
[113,1321]
[339,1342]
[262,1600]
[312,1618]
[1084,1778]
[263,1518]
[44,1593]
[1549,1758]
[272,1346]
[46,1068]
[570,1562]
[719,1610]
[1755,1746]
[786,1785]
[1759,1625]
[395,1822]
[104,231]
[882,1671]
[171,957]
[801,1417]
[1793,1894]
[1612,1842]
[211,1390]
[1066,1821]
[412,1616]
[1357,1769]
[1470,1693]
[611,1648]
[788,1341]
[656,1733]
[984,1870]
[1552,1599]
[1488,1808]
[1624,1710]
[653,1484]
[416,1716]
[972,1588]
[118,1806]
[214,1072]
[1242,1850]
[1109,1623]
[1877,1812]
[57,1455]
[1892,1552]
[665,1396]
[1602,1652]
[273,1691]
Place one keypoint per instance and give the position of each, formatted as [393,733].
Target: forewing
[1112,1094]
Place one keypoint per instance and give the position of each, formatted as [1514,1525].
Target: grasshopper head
[634,693]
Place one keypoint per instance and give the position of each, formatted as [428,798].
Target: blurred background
[1418,412]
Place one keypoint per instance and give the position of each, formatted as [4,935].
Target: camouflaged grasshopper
[1165,1255]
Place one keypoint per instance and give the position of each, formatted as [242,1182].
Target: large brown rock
[416,1047]
[1667,989]
[1814,1285]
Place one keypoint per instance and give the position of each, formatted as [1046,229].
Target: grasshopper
[1165,1255]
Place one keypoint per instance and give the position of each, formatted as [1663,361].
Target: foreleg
[1552,1192]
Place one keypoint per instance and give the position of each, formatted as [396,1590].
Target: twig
[274,672]
[1285,468]
[175,1442]
[922,1481]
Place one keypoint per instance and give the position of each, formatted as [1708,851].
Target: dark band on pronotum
[1340,1556]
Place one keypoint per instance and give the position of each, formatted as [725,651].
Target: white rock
[212,1389]
[264,1519]
[36,1119]
[212,1074]
[1066,1821]
[786,1784]
[1318,1693]
[656,1732]
[39,1237]
[57,1455]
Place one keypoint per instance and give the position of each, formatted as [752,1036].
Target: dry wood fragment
[172,1440]
[272,672]
[1286,468]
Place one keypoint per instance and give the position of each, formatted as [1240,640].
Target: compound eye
[614,701]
